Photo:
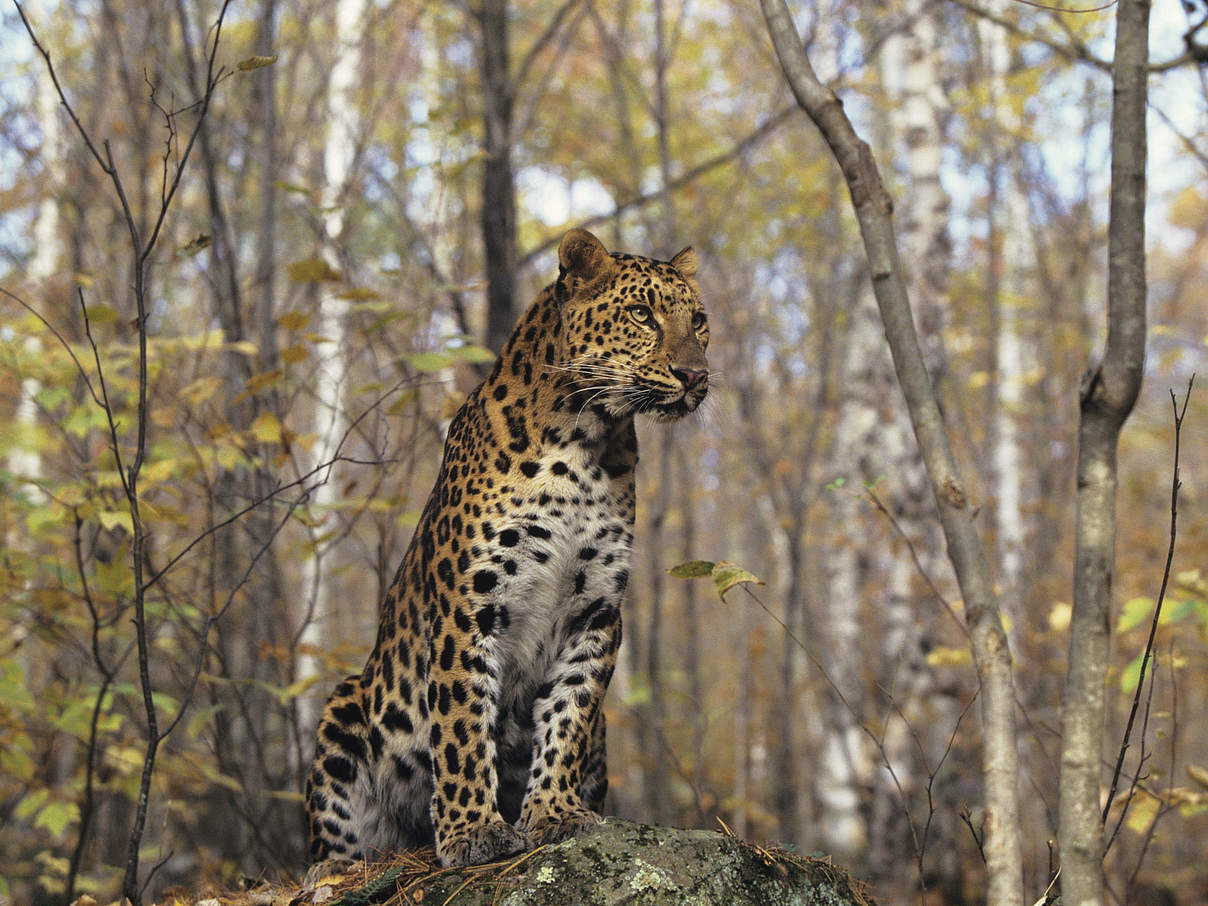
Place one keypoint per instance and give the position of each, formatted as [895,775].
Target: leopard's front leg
[565,713]
[463,700]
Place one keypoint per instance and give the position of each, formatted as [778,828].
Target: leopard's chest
[559,540]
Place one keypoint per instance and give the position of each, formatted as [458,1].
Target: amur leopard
[477,721]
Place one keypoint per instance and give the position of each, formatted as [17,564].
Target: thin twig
[62,342]
[1157,610]
[300,480]
[1072,51]
[918,564]
[878,743]
[689,176]
[213,618]
[1139,775]
[978,837]
[88,805]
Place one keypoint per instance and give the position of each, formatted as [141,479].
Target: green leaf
[200,719]
[31,804]
[112,519]
[430,361]
[836,484]
[726,575]
[291,187]
[1131,675]
[256,62]
[57,816]
[100,313]
[692,569]
[475,355]
[1135,612]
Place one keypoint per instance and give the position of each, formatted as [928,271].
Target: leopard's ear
[583,262]
[685,262]
[582,255]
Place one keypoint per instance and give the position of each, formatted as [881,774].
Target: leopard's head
[634,331]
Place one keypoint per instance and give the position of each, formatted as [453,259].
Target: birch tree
[912,73]
[331,421]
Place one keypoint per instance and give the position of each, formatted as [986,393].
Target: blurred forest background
[321,290]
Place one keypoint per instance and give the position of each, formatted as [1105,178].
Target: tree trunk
[498,215]
[1008,216]
[873,209]
[652,717]
[1108,393]
[912,69]
[320,612]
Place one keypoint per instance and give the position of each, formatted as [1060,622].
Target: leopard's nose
[691,378]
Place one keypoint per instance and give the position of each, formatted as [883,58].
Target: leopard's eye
[699,320]
[641,314]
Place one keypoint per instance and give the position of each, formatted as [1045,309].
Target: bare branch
[743,145]
[105,163]
[1175,483]
[918,565]
[543,41]
[62,341]
[1075,49]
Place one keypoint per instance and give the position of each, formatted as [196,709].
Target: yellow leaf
[360,294]
[258,382]
[244,347]
[1142,812]
[943,656]
[266,428]
[1187,209]
[159,471]
[1198,774]
[1136,611]
[294,354]
[312,270]
[200,390]
[164,416]
[726,575]
[256,62]
[1191,580]
[293,320]
[977,380]
[693,569]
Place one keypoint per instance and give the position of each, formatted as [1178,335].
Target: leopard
[476,724]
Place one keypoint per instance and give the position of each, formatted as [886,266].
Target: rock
[619,862]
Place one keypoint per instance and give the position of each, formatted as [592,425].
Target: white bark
[1007,455]
[331,421]
[25,462]
[912,75]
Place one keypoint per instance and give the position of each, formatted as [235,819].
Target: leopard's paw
[558,824]
[483,843]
